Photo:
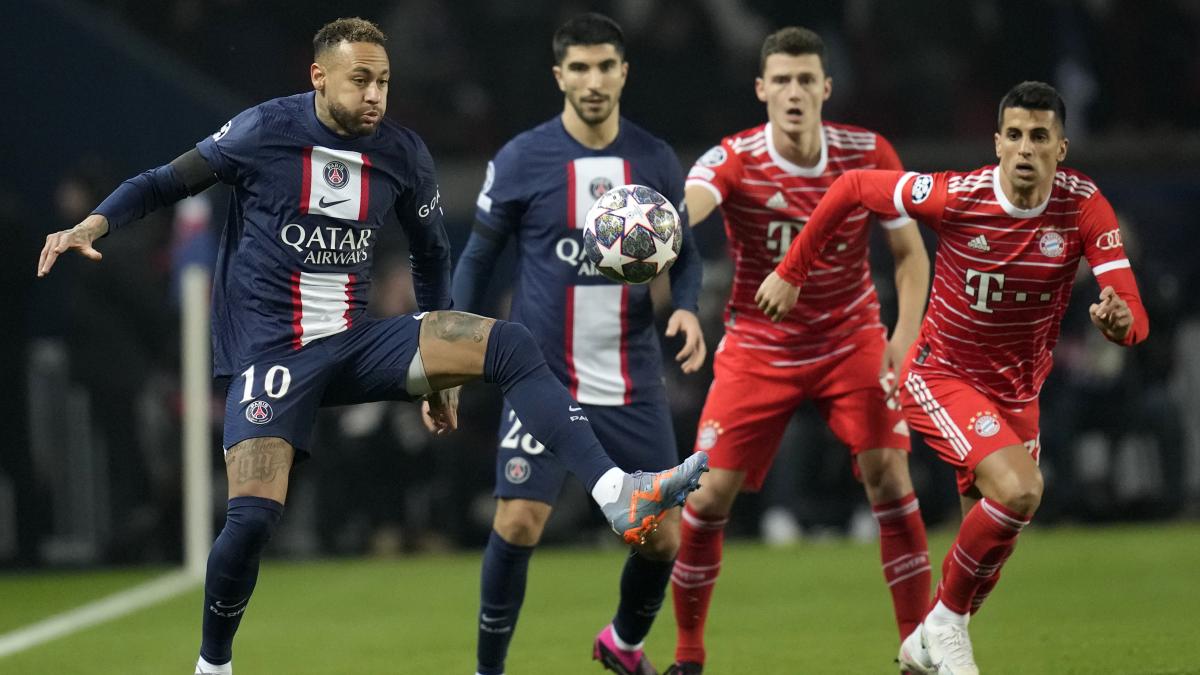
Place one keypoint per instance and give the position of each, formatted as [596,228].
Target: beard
[350,122]
[590,117]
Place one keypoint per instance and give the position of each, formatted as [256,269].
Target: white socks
[608,488]
[623,645]
[941,614]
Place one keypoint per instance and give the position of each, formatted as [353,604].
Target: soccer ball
[632,233]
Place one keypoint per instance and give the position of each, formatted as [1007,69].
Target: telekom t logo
[984,290]
[779,236]
[990,288]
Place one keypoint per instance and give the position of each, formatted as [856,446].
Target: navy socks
[515,362]
[233,571]
[643,587]
[505,569]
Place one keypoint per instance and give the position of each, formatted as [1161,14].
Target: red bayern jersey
[765,200]
[1003,275]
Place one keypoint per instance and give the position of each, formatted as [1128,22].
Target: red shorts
[750,403]
[964,425]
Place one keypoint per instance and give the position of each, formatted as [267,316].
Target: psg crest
[517,470]
[336,174]
[259,412]
[599,186]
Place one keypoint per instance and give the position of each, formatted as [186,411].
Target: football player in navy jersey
[598,336]
[314,175]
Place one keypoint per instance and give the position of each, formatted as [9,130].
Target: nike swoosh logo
[324,204]
[233,605]
[574,408]
[492,619]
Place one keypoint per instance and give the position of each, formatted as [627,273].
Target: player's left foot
[646,497]
[949,648]
[205,668]
[612,657]
[914,657]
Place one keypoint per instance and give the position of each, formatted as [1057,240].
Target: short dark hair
[348,29]
[794,41]
[588,29]
[1033,95]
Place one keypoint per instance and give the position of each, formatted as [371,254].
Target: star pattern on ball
[664,252]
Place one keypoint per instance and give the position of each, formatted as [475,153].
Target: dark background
[98,91]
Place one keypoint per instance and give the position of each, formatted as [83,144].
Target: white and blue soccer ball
[632,234]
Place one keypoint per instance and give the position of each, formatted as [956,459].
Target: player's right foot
[949,648]
[685,668]
[914,657]
[646,497]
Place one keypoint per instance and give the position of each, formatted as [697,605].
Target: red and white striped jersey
[766,200]
[1003,275]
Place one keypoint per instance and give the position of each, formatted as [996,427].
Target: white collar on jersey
[793,168]
[1010,208]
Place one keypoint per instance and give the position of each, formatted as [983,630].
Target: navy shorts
[638,436]
[279,395]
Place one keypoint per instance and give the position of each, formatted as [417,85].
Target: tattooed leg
[453,347]
[259,467]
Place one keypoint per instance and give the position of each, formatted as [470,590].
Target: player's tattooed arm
[259,459]
[79,238]
[459,326]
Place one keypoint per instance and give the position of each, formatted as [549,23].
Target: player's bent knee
[453,347]
[718,490]
[884,474]
[1020,492]
[521,522]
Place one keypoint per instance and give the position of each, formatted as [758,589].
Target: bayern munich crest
[1052,245]
[517,470]
[710,431]
[985,424]
[337,174]
[259,412]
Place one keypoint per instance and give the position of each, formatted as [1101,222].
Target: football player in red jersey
[1010,238]
[831,349]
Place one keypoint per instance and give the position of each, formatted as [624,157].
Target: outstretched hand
[776,297]
[79,237]
[691,357]
[439,411]
[1111,315]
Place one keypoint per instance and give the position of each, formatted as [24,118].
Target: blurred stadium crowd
[91,463]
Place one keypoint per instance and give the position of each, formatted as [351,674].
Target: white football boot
[949,648]
[914,657]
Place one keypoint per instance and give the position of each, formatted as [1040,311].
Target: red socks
[692,581]
[972,567]
[905,555]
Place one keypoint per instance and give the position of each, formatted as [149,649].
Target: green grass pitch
[1072,600]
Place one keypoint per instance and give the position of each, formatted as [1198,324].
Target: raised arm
[1119,314]
[187,174]
[873,190]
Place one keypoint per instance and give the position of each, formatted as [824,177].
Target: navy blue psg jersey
[597,335]
[295,258]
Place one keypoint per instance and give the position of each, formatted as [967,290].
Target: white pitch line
[105,609]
